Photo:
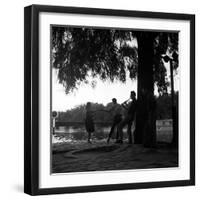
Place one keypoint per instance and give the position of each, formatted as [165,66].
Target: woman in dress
[89,122]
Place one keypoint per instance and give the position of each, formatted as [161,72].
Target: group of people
[119,118]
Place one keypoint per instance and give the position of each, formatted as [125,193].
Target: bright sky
[102,93]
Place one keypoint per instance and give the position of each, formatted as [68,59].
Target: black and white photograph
[114,99]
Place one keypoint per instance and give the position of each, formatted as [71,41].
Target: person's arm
[125,105]
[109,110]
[99,110]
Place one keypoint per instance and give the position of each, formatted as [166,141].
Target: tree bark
[145,132]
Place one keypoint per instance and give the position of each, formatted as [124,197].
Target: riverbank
[98,156]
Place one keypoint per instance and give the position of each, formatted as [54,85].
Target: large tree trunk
[145,132]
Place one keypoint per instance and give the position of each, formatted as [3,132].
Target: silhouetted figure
[128,119]
[89,122]
[116,111]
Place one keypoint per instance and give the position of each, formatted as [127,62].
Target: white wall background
[11,99]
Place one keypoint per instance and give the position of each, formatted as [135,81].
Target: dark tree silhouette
[151,70]
[108,54]
[79,51]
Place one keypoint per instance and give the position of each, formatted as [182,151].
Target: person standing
[116,111]
[128,119]
[89,122]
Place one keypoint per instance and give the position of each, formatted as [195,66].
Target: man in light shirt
[116,111]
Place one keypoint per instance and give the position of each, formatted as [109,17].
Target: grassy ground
[98,156]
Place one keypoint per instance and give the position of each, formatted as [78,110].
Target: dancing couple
[119,120]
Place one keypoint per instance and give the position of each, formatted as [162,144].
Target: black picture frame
[31,98]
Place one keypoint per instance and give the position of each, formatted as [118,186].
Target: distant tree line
[77,114]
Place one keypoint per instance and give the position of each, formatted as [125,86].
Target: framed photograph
[109,99]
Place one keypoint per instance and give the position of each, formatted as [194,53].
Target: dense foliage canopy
[109,54]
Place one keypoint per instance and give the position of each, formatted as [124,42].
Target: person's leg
[117,135]
[120,130]
[89,137]
[116,121]
[111,131]
[119,119]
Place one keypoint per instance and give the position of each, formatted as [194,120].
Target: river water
[78,133]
